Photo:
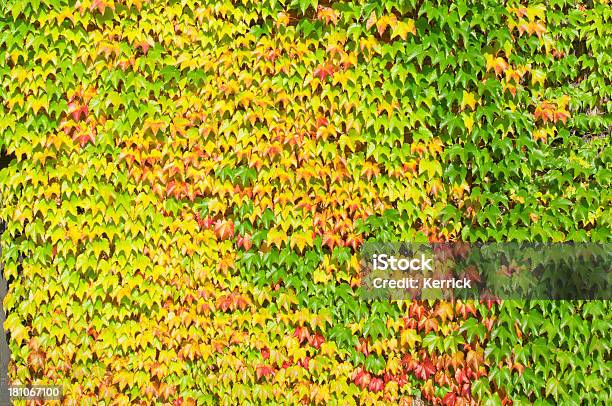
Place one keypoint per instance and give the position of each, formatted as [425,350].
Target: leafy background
[191,181]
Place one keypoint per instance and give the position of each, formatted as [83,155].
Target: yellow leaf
[538,76]
[393,364]
[348,59]
[563,101]
[329,348]
[37,103]
[402,28]
[538,11]
[298,353]
[340,77]
[383,23]
[216,206]
[468,100]
[444,311]
[320,320]
[66,13]
[282,19]
[367,43]
[410,337]
[19,332]
[19,74]
[508,48]
[124,379]
[301,240]
[320,276]
[276,237]
[75,234]
[498,64]
[468,120]
[540,134]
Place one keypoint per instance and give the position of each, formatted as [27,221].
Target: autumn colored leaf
[224,229]
[403,28]
[263,371]
[497,64]
[323,71]
[424,369]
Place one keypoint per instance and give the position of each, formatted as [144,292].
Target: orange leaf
[224,229]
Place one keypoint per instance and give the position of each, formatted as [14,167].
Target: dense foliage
[192,181]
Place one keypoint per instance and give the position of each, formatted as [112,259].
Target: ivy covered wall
[192,181]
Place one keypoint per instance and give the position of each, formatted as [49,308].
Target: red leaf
[376,385]
[331,240]
[302,334]
[401,380]
[263,371]
[410,323]
[225,303]
[428,324]
[170,188]
[245,242]
[322,121]
[461,377]
[327,14]
[416,310]
[84,139]
[409,363]
[224,229]
[323,71]
[207,222]
[450,399]
[304,362]
[363,347]
[75,110]
[316,340]
[442,379]
[425,369]
[92,332]
[362,379]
